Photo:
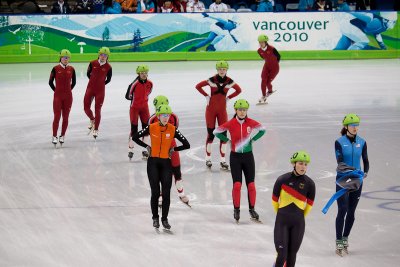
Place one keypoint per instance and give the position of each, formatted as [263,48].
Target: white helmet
[392,16]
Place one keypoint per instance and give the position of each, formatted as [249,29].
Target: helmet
[163,109]
[392,16]
[104,50]
[300,156]
[350,119]
[241,103]
[160,100]
[263,38]
[142,68]
[65,53]
[222,64]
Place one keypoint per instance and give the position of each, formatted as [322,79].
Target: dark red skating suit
[270,69]
[99,75]
[65,81]
[216,108]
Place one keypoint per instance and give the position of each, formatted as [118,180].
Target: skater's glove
[148,148]
[208,99]
[365,175]
[171,151]
[382,45]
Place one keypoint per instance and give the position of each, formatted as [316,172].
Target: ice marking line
[327,174]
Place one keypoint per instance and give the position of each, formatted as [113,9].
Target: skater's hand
[208,99]
[148,148]
[171,151]
[205,14]
[365,175]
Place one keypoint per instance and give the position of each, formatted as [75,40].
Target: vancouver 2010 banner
[198,32]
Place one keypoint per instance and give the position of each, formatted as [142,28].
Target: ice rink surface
[87,205]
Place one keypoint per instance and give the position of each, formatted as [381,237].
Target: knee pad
[134,129]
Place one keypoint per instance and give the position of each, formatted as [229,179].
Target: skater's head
[389,18]
[142,71]
[263,40]
[351,123]
[300,161]
[163,112]
[160,100]
[104,53]
[222,67]
[241,106]
[65,56]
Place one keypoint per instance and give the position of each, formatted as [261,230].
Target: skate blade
[225,169]
[339,253]
[167,231]
[187,204]
[261,103]
[256,220]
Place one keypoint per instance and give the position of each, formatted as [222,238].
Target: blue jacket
[114,9]
[351,152]
[265,6]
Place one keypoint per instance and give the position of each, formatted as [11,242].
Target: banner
[198,32]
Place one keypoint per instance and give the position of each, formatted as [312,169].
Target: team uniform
[216,108]
[292,199]
[243,133]
[65,78]
[349,150]
[159,168]
[270,69]
[99,75]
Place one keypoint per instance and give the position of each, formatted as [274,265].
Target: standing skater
[65,78]
[138,93]
[175,159]
[99,73]
[271,57]
[159,168]
[243,131]
[216,107]
[292,198]
[349,149]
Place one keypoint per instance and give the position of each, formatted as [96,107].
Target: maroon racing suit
[216,108]
[99,75]
[271,57]
[65,81]
[138,93]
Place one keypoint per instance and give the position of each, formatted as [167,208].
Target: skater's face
[65,60]
[143,75]
[241,113]
[263,44]
[300,167]
[163,118]
[103,57]
[353,128]
[222,72]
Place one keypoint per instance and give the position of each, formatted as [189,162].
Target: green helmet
[263,38]
[163,109]
[65,53]
[222,64]
[300,156]
[241,103]
[351,119]
[160,100]
[104,50]
[142,68]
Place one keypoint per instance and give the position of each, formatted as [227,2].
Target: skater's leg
[295,240]
[66,109]
[342,203]
[236,172]
[210,123]
[57,114]
[97,109]
[281,240]
[222,117]
[264,78]
[209,140]
[166,183]
[153,173]
[87,102]
[354,197]
[249,174]
[272,74]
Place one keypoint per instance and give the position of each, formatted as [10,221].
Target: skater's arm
[237,89]
[259,131]
[200,86]
[310,198]
[51,79]
[128,94]
[275,194]
[338,152]
[136,137]
[89,70]
[259,53]
[73,82]
[109,75]
[365,158]
[276,53]
[221,130]
[182,139]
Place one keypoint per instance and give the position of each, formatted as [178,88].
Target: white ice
[87,205]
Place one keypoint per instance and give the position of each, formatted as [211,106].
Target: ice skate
[130,153]
[345,241]
[339,248]
[156,223]
[254,216]
[224,166]
[61,140]
[130,148]
[185,200]
[166,225]
[95,134]
[91,126]
[208,164]
[262,100]
[236,215]
[145,155]
[54,141]
[270,93]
